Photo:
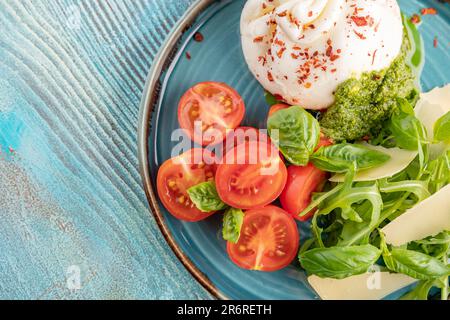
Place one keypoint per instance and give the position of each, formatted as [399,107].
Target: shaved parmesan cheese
[367,286]
[428,218]
[399,160]
[430,108]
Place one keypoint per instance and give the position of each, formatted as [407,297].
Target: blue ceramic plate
[219,58]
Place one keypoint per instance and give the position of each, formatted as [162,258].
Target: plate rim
[150,97]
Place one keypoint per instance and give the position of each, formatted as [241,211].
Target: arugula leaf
[232,223]
[205,197]
[338,158]
[295,132]
[417,187]
[339,262]
[442,129]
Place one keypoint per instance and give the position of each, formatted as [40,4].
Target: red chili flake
[333,70]
[279,42]
[310,14]
[339,50]
[264,6]
[283,14]
[416,19]
[373,56]
[269,76]
[188,55]
[258,39]
[294,56]
[329,51]
[359,21]
[280,52]
[435,42]
[262,59]
[426,11]
[334,57]
[198,37]
[360,35]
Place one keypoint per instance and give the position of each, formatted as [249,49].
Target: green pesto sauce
[362,105]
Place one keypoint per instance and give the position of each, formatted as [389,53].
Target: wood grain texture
[71,78]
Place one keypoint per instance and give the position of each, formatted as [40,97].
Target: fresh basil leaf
[270,99]
[404,106]
[407,131]
[232,223]
[442,129]
[339,262]
[340,157]
[420,292]
[295,132]
[415,264]
[205,197]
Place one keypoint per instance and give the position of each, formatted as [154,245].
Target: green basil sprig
[406,129]
[442,129]
[232,223]
[295,132]
[339,262]
[205,197]
[340,157]
[415,264]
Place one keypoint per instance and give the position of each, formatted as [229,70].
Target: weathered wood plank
[71,78]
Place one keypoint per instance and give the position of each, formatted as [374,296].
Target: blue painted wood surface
[71,78]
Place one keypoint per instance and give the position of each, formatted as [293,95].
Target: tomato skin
[209,102]
[243,134]
[324,142]
[271,230]
[277,107]
[178,174]
[301,183]
[245,185]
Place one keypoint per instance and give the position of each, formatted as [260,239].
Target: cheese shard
[367,286]
[399,160]
[429,109]
[428,218]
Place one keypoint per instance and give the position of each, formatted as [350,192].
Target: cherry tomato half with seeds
[302,182]
[251,175]
[243,134]
[208,109]
[177,175]
[269,240]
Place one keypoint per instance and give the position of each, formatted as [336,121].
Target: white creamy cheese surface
[301,50]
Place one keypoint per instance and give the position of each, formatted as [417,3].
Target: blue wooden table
[74,220]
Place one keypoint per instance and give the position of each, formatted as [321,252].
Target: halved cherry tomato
[240,135]
[215,107]
[301,183]
[277,107]
[269,240]
[251,175]
[177,175]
